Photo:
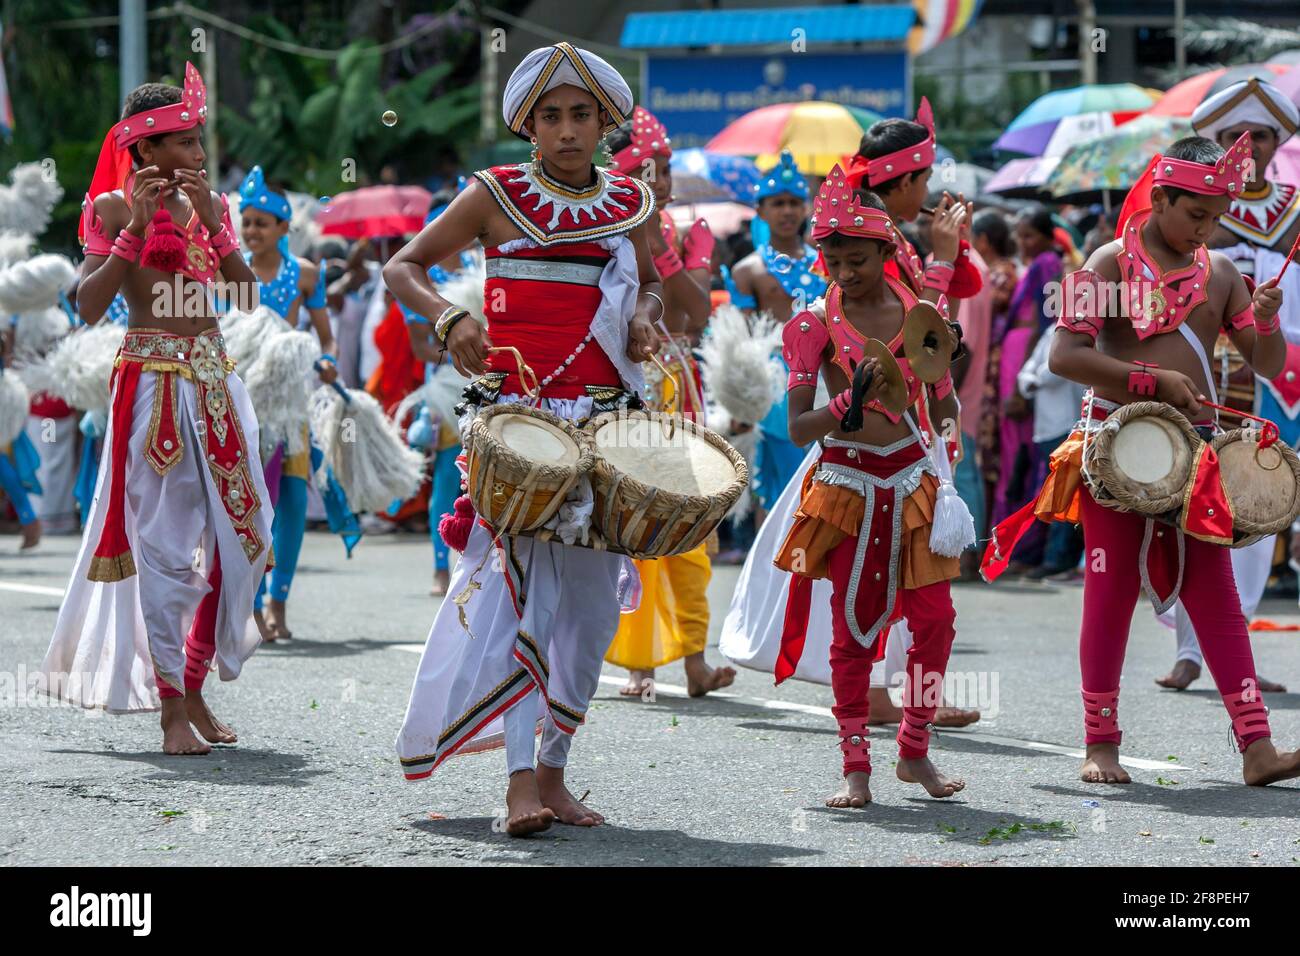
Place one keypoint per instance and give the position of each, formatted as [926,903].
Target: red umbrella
[1183,98]
[375,211]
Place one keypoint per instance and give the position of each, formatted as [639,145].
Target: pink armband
[668,262]
[128,246]
[1246,318]
[840,403]
[943,387]
[803,342]
[938,275]
[697,246]
[223,242]
[1081,304]
[95,241]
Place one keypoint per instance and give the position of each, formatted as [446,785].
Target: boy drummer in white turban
[571,284]
[1256,233]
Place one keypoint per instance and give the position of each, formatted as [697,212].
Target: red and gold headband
[838,209]
[1226,177]
[901,161]
[649,138]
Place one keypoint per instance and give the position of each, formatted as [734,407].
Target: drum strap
[1199,349]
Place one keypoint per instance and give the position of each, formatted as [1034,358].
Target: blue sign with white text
[696,96]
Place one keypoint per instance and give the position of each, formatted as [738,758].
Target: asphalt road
[735,779]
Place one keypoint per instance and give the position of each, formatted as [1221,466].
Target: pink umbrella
[375,211]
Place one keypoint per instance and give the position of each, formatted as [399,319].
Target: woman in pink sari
[1011,462]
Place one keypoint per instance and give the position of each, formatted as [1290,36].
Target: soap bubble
[389,118]
[782,264]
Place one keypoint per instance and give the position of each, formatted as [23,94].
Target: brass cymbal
[894,394]
[928,343]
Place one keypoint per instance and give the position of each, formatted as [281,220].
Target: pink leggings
[931,617]
[201,643]
[1113,540]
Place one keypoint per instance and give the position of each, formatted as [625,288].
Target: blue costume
[289,493]
[423,435]
[777,458]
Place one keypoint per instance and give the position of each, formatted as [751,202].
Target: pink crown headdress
[838,209]
[1226,177]
[902,161]
[191,111]
[649,138]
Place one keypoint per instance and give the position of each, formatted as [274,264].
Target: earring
[607,153]
[535,154]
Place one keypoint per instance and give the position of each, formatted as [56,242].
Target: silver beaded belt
[542,271]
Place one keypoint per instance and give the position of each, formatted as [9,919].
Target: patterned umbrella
[1033,128]
[734,177]
[1114,162]
[1022,178]
[818,134]
[1054,137]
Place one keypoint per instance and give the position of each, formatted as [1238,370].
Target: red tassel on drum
[164,249]
[455,527]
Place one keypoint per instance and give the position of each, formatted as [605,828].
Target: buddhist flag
[938,20]
[6,110]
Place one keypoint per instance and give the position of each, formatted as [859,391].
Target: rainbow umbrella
[1183,98]
[818,134]
[1032,130]
[1114,162]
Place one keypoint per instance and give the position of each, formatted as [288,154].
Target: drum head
[1260,482]
[681,463]
[534,439]
[1149,459]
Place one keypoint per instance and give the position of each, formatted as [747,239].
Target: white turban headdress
[551,66]
[1250,101]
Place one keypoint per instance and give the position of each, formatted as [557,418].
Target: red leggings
[1209,593]
[931,617]
[201,644]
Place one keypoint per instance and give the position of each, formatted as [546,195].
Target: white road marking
[31,589]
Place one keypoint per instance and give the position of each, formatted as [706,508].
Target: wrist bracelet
[326,357]
[938,275]
[128,246]
[662,308]
[450,316]
[1269,327]
[668,263]
[840,403]
[1143,380]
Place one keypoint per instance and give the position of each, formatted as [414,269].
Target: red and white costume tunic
[562,295]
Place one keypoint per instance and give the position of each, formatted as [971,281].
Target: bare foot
[441,581]
[275,620]
[1269,686]
[1262,763]
[925,773]
[955,717]
[701,678]
[31,536]
[1101,765]
[855,793]
[882,709]
[205,722]
[178,738]
[263,628]
[525,814]
[1181,676]
[639,684]
[557,798]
